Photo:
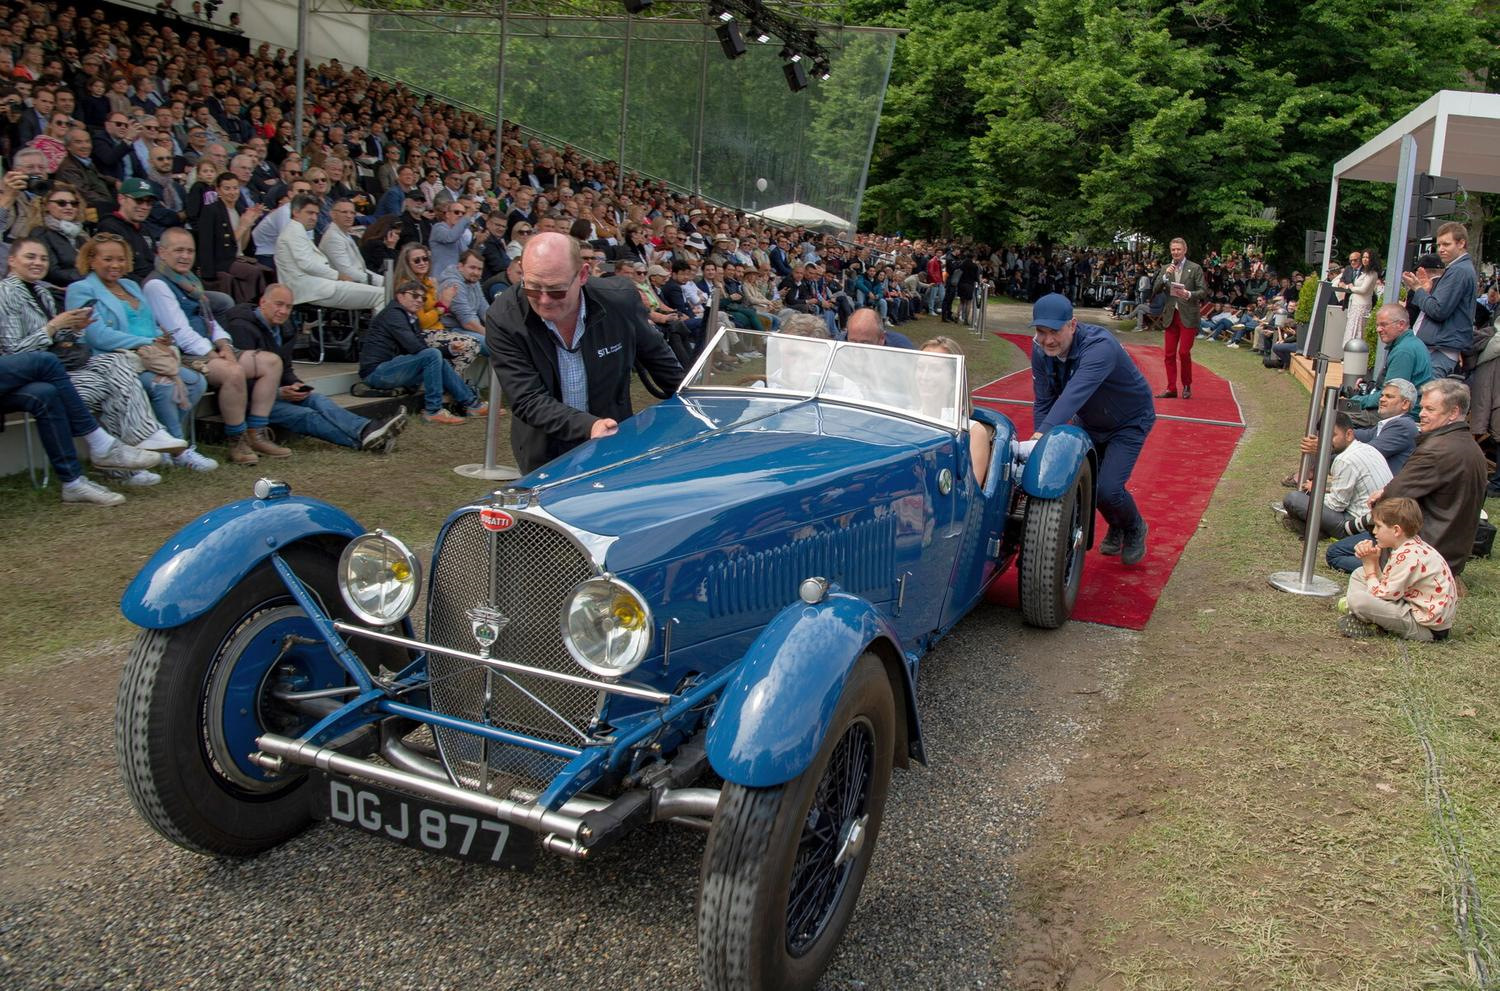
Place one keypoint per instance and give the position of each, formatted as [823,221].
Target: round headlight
[606,626]
[379,578]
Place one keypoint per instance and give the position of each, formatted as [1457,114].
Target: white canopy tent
[1454,134]
[797,214]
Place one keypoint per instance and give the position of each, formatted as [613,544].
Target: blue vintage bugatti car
[713,618]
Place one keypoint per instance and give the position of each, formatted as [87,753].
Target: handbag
[165,362]
[69,348]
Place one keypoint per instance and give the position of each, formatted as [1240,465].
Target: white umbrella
[797,214]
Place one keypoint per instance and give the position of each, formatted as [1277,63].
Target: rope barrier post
[490,471]
[1304,582]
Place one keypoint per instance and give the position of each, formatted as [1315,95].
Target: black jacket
[617,337]
[142,247]
[671,294]
[392,333]
[250,333]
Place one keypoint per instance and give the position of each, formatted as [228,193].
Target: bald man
[563,346]
[865,327]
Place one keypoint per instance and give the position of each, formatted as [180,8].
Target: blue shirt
[1095,384]
[570,369]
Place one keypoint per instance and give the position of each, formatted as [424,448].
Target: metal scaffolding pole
[500,94]
[624,105]
[301,74]
[702,106]
[490,470]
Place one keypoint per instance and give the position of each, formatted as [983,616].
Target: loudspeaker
[731,40]
[636,6]
[796,76]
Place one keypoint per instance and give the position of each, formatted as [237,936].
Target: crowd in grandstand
[158,208]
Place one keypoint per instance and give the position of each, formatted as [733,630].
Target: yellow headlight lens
[606,626]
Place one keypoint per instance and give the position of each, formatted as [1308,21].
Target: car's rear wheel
[784,865]
[1052,551]
[193,699]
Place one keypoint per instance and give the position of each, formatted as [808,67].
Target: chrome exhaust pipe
[693,803]
[398,754]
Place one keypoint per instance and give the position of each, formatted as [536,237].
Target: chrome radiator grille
[534,567]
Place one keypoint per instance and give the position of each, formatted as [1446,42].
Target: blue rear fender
[1055,462]
[775,713]
[208,557]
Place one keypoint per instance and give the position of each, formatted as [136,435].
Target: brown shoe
[261,444]
[240,452]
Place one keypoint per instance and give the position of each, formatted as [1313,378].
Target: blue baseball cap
[1052,311]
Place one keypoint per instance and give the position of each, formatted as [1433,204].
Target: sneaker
[240,452]
[192,459]
[1233,346]
[138,479]
[364,391]
[1134,550]
[122,455]
[1279,508]
[1114,540]
[163,441]
[1342,605]
[1355,628]
[443,416]
[477,408]
[376,434]
[84,490]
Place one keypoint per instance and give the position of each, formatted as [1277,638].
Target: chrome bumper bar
[565,829]
[510,667]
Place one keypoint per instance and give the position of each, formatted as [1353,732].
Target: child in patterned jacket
[1414,596]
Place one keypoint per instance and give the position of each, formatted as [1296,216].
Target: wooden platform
[1305,372]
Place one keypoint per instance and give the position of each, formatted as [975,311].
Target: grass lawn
[1260,809]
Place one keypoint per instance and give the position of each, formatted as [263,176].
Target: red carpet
[1174,479]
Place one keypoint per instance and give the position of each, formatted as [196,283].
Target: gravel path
[92,898]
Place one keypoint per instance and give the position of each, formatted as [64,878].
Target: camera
[1365,524]
[38,185]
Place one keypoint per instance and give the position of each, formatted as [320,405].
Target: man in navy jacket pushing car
[1080,374]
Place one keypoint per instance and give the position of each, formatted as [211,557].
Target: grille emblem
[495,519]
[486,623]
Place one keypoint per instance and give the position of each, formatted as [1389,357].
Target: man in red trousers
[1183,283]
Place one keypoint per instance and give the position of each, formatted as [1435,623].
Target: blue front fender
[209,556]
[774,715]
[1054,463]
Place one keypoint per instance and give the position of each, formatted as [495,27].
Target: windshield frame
[693,386]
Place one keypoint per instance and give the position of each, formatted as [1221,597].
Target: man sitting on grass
[1414,596]
[1357,471]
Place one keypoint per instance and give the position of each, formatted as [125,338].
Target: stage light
[636,6]
[821,68]
[761,34]
[723,13]
[730,40]
[796,76]
[790,55]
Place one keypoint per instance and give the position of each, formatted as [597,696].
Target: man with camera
[1358,470]
[21,194]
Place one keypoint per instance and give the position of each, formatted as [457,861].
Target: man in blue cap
[1080,374]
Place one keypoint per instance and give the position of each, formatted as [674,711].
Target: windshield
[926,385]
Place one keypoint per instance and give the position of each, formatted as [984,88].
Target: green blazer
[1192,278]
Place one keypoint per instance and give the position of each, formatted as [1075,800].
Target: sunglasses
[419,258]
[536,292]
[63,202]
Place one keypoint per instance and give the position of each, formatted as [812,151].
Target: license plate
[416,822]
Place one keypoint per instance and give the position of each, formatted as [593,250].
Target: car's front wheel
[194,698]
[1052,551]
[784,865]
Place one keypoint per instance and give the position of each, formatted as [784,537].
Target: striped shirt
[1357,471]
